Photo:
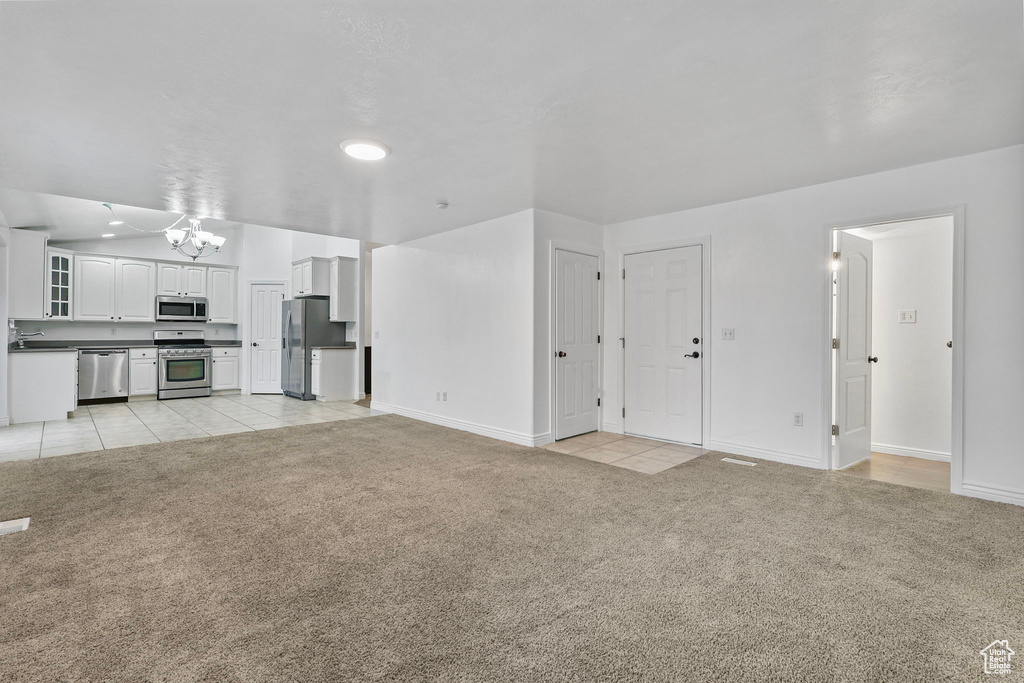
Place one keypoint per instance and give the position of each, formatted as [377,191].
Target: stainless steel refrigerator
[305,325]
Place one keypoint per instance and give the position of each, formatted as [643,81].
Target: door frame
[554,246]
[957,443]
[703,241]
[247,329]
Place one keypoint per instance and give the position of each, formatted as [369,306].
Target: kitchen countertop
[329,348]
[53,349]
[76,344]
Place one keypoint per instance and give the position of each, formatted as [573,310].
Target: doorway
[265,336]
[893,287]
[663,344]
[577,343]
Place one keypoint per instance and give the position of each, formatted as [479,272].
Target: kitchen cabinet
[58,287]
[333,374]
[95,290]
[142,372]
[225,368]
[181,280]
[43,385]
[311,277]
[28,271]
[136,290]
[222,293]
[344,289]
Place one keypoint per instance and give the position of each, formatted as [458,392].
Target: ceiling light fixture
[117,222]
[107,234]
[193,242]
[365,150]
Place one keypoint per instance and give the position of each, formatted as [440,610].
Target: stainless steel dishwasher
[102,373]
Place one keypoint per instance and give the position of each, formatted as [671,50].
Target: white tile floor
[112,425]
[629,452]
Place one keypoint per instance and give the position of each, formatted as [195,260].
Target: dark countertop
[51,349]
[329,348]
[76,344]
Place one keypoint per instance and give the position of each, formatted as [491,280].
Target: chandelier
[193,242]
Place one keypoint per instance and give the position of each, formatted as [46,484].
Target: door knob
[949,344]
[561,354]
[695,354]
[255,344]
[872,359]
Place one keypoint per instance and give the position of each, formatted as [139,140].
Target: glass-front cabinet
[59,283]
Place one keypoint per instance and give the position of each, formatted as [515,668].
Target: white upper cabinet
[95,290]
[311,277]
[176,280]
[136,291]
[58,288]
[168,279]
[28,275]
[344,289]
[222,292]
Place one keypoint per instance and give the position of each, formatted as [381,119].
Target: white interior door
[853,380]
[265,349]
[663,346]
[576,346]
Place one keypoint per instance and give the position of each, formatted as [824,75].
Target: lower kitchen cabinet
[225,368]
[43,385]
[333,374]
[142,372]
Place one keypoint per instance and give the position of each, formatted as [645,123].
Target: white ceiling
[597,109]
[940,227]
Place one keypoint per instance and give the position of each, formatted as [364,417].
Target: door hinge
[623,273]
[598,339]
[835,430]
[835,343]
[623,412]
[623,340]
[599,275]
[598,403]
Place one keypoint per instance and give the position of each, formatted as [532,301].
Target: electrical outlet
[444,396]
[439,396]
[729,333]
[216,333]
[908,315]
[113,331]
[798,419]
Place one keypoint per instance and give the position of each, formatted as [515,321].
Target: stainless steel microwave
[182,309]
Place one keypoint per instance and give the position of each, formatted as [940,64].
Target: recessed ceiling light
[107,234]
[115,222]
[366,150]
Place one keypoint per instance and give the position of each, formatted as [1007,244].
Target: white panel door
[95,291]
[265,349]
[168,280]
[136,291]
[576,346]
[663,347]
[853,381]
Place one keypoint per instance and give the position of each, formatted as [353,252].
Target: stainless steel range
[185,363]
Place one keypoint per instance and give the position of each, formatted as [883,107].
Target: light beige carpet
[385,549]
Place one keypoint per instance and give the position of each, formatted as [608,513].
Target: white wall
[912,384]
[551,229]
[5,239]
[454,313]
[767,279]
[156,247]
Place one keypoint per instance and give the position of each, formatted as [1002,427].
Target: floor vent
[9,527]
[739,462]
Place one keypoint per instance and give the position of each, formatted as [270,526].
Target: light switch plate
[908,315]
[729,333]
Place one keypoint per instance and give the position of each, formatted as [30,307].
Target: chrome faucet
[23,335]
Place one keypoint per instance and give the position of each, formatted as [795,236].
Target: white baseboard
[910,452]
[995,493]
[5,421]
[360,396]
[483,430]
[611,426]
[765,454]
